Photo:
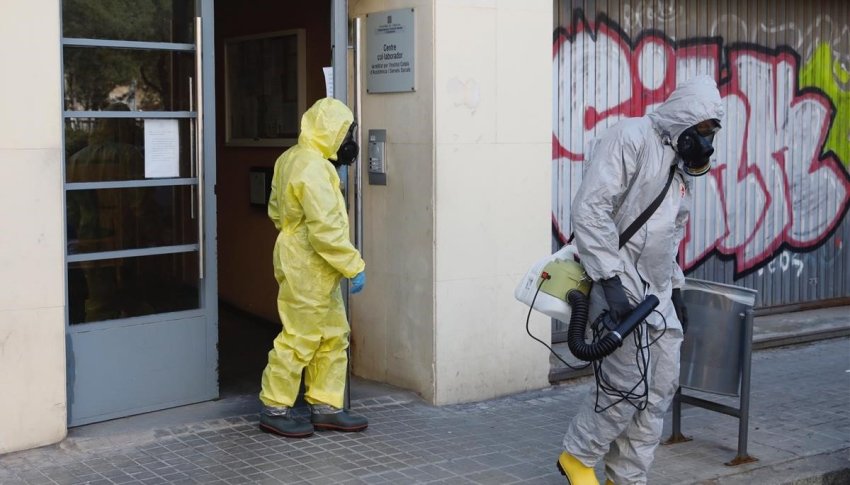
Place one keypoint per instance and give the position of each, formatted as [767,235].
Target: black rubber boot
[326,418]
[280,421]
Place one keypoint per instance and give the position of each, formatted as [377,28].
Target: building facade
[132,133]
[136,138]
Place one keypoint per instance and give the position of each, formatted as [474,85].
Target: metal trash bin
[716,355]
[713,350]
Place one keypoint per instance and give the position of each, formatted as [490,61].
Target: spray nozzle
[637,315]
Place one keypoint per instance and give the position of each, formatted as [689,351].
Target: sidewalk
[799,428]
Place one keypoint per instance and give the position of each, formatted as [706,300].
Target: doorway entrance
[175,112]
[270,60]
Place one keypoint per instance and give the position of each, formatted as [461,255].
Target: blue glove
[358,282]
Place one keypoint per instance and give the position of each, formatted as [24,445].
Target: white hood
[693,101]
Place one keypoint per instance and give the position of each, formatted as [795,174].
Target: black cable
[663,331]
[528,331]
[642,361]
[638,400]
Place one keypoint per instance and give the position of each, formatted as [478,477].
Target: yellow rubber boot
[575,471]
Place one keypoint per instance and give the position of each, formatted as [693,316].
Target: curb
[770,342]
[831,468]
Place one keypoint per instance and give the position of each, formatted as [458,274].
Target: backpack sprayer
[567,281]
[564,282]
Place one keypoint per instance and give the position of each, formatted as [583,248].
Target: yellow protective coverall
[311,254]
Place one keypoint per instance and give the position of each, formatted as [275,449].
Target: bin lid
[739,294]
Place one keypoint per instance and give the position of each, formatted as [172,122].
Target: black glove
[615,295]
[681,309]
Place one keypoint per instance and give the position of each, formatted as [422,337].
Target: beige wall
[467,204]
[393,318]
[32,284]
[493,166]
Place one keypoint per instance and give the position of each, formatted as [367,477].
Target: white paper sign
[162,149]
[329,81]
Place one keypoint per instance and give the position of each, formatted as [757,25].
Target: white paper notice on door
[329,81]
[162,149]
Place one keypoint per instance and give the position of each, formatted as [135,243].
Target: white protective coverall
[311,254]
[628,168]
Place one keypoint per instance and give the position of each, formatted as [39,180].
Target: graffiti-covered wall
[772,213]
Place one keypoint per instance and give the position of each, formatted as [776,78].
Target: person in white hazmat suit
[628,168]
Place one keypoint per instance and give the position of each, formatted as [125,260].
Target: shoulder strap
[641,220]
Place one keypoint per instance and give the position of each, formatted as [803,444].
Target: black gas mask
[348,150]
[694,146]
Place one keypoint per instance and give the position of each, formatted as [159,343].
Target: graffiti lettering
[812,76]
[787,261]
[651,11]
[804,40]
[821,30]
[773,184]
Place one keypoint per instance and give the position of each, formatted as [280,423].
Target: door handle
[358,167]
[199,144]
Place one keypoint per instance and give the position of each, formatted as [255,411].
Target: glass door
[142,318]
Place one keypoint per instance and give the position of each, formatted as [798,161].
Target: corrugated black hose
[613,339]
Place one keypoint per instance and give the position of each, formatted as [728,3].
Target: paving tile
[796,410]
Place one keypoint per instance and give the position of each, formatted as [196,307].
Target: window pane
[102,78]
[131,287]
[141,20]
[263,88]
[113,149]
[116,219]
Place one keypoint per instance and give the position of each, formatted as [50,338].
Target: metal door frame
[209,295]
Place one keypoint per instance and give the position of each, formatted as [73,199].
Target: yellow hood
[324,125]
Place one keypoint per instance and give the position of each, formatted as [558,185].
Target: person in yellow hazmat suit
[312,254]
